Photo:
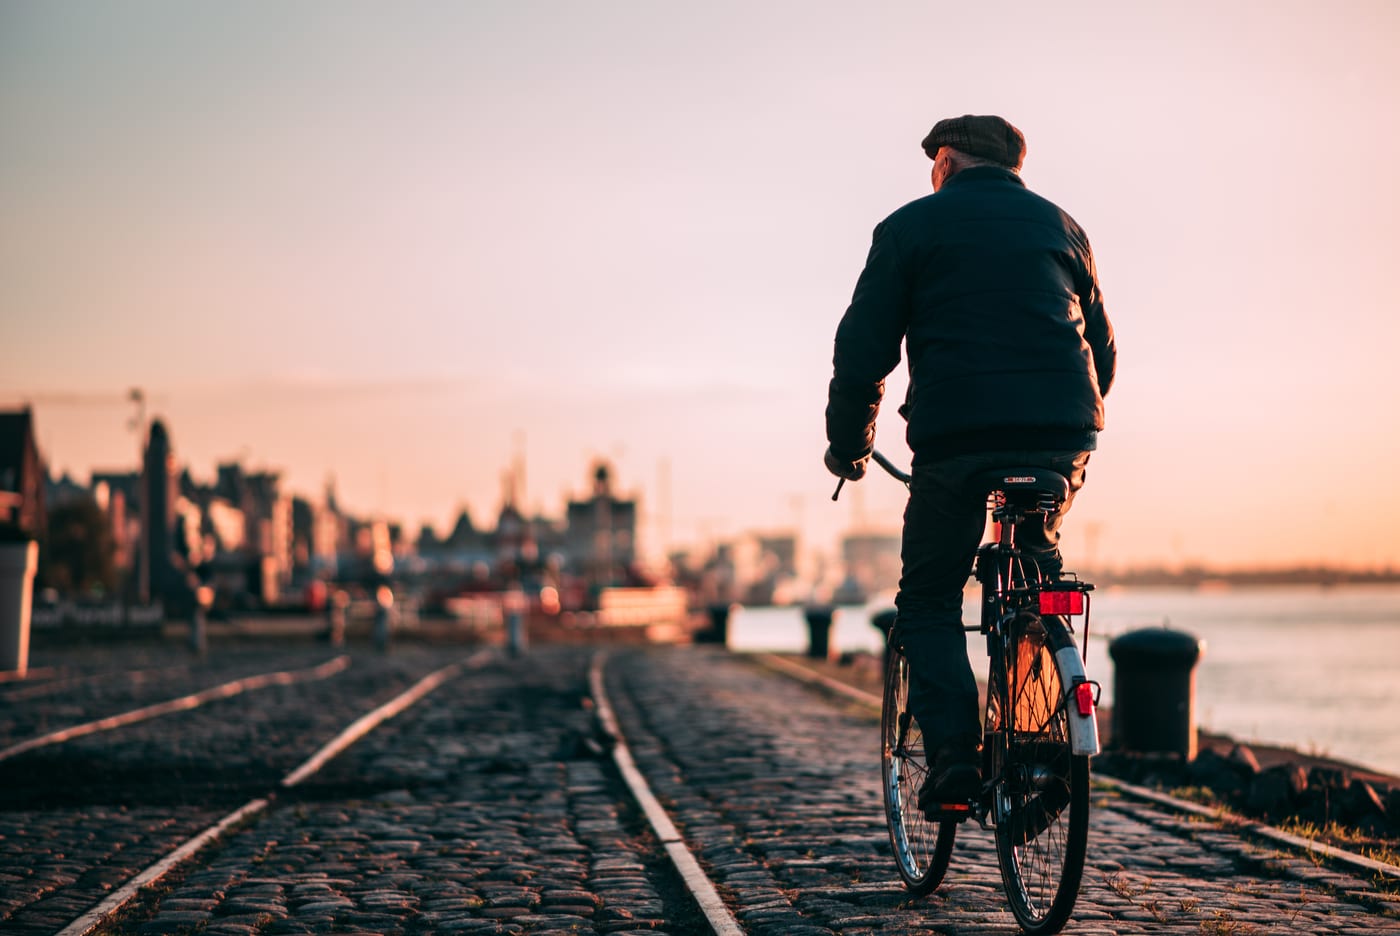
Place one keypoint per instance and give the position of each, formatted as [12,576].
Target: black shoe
[954,779]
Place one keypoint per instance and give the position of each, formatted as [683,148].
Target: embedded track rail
[53,745]
[181,704]
[697,882]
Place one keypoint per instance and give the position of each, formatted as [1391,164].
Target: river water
[1316,669]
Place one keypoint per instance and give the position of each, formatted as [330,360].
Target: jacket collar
[984,174]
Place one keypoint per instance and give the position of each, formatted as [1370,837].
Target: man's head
[956,143]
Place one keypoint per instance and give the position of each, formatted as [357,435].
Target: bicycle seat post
[1005,519]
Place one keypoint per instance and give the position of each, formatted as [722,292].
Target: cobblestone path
[777,789]
[80,818]
[490,806]
[487,808]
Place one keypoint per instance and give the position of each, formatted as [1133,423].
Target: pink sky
[401,243]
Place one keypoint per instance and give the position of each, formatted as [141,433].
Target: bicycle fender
[1083,729]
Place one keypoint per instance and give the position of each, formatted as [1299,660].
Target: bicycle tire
[922,847]
[1041,800]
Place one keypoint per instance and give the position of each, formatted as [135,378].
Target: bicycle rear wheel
[1042,797]
[921,847]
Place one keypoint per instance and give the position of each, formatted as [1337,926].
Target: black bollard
[336,604]
[1154,691]
[718,631]
[819,621]
[199,620]
[383,620]
[514,605]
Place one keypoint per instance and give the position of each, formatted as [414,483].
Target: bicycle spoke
[1041,840]
[921,847]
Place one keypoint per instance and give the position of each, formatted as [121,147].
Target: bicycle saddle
[1024,485]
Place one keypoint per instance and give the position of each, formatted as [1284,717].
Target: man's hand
[846,468]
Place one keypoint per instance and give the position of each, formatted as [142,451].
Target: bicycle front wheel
[921,847]
[1042,796]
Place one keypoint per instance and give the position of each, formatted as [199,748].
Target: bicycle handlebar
[889,466]
[884,463]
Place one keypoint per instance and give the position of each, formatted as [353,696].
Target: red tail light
[1084,698]
[1061,602]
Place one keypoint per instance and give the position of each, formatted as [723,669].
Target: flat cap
[987,137]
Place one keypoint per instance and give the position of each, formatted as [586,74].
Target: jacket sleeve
[867,348]
[1098,330]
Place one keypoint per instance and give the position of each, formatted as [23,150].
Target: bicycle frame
[1011,584]
[1038,730]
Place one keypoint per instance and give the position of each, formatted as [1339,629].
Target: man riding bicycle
[993,291]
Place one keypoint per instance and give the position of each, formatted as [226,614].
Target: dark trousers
[943,526]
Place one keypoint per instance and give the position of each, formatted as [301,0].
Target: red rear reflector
[1061,602]
[1084,698]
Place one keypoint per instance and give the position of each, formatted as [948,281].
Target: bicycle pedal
[948,812]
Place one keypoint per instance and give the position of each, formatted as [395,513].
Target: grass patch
[1201,796]
[1223,923]
[1383,850]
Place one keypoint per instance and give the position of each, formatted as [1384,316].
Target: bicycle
[1039,727]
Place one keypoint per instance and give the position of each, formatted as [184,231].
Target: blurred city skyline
[406,247]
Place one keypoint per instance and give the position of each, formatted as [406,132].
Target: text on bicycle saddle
[1018,481]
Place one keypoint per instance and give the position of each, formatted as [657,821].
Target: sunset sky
[403,243]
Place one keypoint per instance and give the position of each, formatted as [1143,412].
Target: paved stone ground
[96,680]
[489,807]
[778,789]
[80,818]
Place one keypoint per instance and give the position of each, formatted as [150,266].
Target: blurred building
[754,569]
[156,570]
[780,553]
[22,476]
[118,493]
[315,535]
[64,490]
[600,534]
[240,533]
[872,565]
[465,538]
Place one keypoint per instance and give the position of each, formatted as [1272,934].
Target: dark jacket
[993,290]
